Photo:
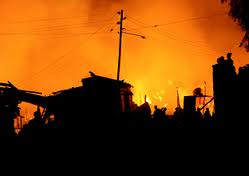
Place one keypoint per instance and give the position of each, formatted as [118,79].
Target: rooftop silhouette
[106,104]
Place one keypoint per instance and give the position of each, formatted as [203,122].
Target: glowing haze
[49,45]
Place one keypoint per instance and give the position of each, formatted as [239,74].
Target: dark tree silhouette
[239,11]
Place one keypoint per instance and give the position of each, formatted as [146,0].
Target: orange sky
[48,46]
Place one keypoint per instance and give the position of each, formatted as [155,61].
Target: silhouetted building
[224,89]
[242,95]
[99,103]
[8,111]
[189,110]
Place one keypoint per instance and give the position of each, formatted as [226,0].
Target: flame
[50,39]
[149,101]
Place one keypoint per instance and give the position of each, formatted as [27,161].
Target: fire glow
[53,45]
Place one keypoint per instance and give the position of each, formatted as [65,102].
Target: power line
[40,34]
[69,26]
[53,19]
[167,34]
[48,30]
[45,30]
[51,64]
[64,36]
[178,21]
[77,34]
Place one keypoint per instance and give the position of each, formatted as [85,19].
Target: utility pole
[121,13]
[121,32]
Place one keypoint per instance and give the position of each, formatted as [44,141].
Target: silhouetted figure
[198,119]
[34,131]
[221,60]
[164,112]
[155,121]
[36,122]
[164,121]
[178,118]
[198,113]
[197,92]
[207,114]
[213,115]
[207,118]
[157,113]
[230,65]
[229,59]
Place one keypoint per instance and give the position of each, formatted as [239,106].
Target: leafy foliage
[239,11]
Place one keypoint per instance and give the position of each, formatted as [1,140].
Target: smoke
[220,31]
[48,46]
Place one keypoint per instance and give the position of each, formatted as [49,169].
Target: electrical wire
[54,19]
[47,31]
[55,61]
[166,35]
[178,21]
